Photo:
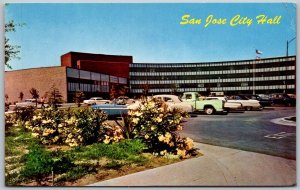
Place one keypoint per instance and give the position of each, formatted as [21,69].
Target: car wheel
[248,108]
[209,110]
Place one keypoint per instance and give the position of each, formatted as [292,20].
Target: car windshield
[243,98]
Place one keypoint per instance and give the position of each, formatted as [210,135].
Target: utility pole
[287,54]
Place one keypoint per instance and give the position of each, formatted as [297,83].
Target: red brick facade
[39,78]
[108,64]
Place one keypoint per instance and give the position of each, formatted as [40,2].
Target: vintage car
[124,100]
[227,105]
[283,99]
[96,100]
[263,100]
[246,102]
[175,102]
[112,110]
[27,103]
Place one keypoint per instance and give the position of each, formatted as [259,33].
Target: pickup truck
[208,106]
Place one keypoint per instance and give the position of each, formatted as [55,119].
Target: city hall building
[270,75]
[97,74]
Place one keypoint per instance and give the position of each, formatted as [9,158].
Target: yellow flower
[163,152]
[189,144]
[135,120]
[161,138]
[138,113]
[171,144]
[60,125]
[146,136]
[35,134]
[158,119]
[106,141]
[152,128]
[179,127]
[168,135]
[181,153]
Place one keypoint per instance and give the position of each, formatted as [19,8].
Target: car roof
[165,95]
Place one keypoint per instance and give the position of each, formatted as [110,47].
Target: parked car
[263,99]
[175,102]
[246,102]
[227,105]
[124,100]
[283,99]
[199,104]
[96,100]
[112,110]
[27,103]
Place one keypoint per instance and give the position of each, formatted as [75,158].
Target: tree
[55,96]
[11,51]
[6,97]
[113,92]
[35,95]
[21,96]
[79,96]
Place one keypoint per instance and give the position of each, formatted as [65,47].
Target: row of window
[73,87]
[205,64]
[234,88]
[211,80]
[76,73]
[272,69]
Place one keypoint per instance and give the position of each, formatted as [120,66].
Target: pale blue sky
[148,32]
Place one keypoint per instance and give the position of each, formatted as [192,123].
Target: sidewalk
[218,167]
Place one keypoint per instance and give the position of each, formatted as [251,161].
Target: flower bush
[71,127]
[111,134]
[10,120]
[158,127]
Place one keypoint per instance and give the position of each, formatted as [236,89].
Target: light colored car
[96,100]
[247,103]
[175,102]
[27,103]
[227,105]
[124,100]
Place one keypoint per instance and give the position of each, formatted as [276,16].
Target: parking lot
[252,131]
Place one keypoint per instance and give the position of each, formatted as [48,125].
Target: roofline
[35,68]
[75,52]
[221,61]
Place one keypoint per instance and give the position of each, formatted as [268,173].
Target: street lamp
[287,45]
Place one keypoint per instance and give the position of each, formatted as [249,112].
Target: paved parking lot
[252,131]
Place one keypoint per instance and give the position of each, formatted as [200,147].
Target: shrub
[158,128]
[10,120]
[71,127]
[24,114]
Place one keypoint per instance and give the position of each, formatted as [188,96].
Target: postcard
[150,94]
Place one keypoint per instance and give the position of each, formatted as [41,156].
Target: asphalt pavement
[255,131]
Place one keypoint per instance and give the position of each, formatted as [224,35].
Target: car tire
[209,110]
[248,108]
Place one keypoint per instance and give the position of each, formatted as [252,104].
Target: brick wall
[40,78]
[109,64]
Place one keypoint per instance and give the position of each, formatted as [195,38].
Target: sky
[151,33]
